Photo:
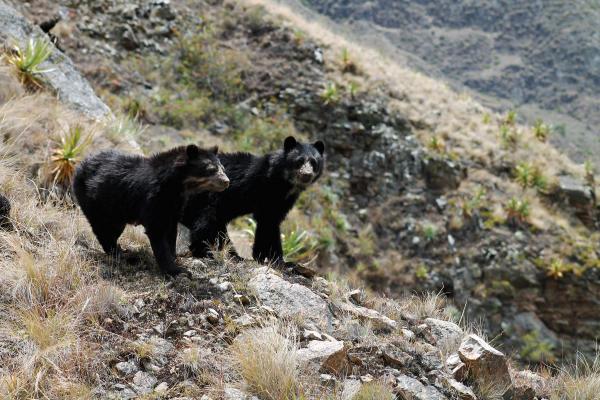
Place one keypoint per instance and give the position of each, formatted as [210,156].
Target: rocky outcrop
[61,76]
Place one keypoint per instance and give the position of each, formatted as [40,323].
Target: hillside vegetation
[426,191]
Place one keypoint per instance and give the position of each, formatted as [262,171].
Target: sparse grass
[475,203]
[579,382]
[509,136]
[266,358]
[27,61]
[374,391]
[348,65]
[193,360]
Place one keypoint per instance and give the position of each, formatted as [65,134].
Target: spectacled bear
[265,186]
[114,189]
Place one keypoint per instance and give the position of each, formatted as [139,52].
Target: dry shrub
[267,360]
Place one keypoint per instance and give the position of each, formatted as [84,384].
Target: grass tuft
[267,360]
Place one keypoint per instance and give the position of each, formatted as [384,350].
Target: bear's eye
[299,162]
[313,163]
[211,169]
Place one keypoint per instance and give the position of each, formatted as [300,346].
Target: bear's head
[202,170]
[302,162]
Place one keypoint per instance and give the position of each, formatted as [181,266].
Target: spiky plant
[28,61]
[517,211]
[353,89]
[541,131]
[509,136]
[590,172]
[330,94]
[557,268]
[68,150]
[347,64]
[298,245]
[511,118]
[436,144]
[523,174]
[470,207]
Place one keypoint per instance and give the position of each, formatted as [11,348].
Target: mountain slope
[543,58]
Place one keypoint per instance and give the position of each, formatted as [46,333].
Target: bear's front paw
[175,270]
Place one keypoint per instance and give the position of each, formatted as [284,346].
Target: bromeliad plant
[67,152]
[28,61]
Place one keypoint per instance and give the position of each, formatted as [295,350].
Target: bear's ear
[214,150]
[289,144]
[192,151]
[320,146]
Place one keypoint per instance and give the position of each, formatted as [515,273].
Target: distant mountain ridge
[542,57]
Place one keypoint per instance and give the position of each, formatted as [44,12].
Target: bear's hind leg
[107,235]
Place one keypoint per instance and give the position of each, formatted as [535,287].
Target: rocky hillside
[426,191]
[542,58]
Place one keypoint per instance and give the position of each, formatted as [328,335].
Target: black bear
[266,187]
[114,189]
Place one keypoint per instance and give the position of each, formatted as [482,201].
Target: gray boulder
[62,76]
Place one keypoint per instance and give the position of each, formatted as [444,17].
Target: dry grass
[51,293]
[579,382]
[374,391]
[266,358]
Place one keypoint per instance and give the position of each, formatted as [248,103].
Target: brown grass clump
[266,358]
[374,391]
[579,382]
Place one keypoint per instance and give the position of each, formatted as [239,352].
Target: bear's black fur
[114,189]
[4,212]
[266,187]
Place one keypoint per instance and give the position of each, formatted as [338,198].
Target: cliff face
[420,193]
[540,57]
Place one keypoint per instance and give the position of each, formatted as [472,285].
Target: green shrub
[517,211]
[541,131]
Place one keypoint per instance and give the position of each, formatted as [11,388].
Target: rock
[231,393]
[576,194]
[394,357]
[457,368]
[484,363]
[331,356]
[528,322]
[407,333]
[377,320]
[162,387]
[527,385]
[212,316]
[311,335]
[350,388]
[126,368]
[61,76]
[444,331]
[442,174]
[411,389]
[144,382]
[459,391]
[224,286]
[289,299]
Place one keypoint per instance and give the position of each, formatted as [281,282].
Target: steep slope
[421,191]
[543,58]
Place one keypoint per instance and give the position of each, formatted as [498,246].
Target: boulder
[143,382]
[459,390]
[442,174]
[378,321]
[331,356]
[289,299]
[411,389]
[577,194]
[485,364]
[62,77]
[444,331]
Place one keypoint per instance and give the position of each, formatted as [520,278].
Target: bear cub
[265,186]
[114,189]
